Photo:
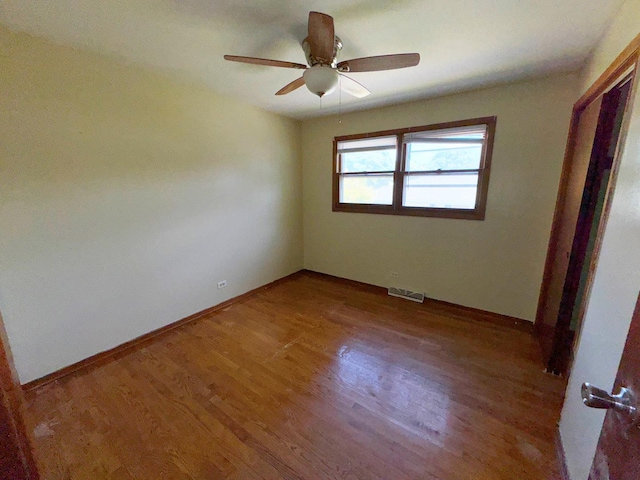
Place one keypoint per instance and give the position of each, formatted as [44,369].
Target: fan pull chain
[340,100]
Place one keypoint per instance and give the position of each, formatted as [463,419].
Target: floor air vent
[407,294]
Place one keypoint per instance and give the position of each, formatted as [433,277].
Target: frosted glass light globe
[320,80]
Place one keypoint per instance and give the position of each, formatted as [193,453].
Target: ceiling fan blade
[381,62]
[321,37]
[350,86]
[264,61]
[291,86]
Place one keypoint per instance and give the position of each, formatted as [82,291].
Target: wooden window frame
[396,208]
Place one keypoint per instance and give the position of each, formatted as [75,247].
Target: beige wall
[617,280]
[126,197]
[495,264]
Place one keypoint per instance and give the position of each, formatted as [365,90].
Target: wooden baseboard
[562,459]
[435,306]
[125,348]
[440,306]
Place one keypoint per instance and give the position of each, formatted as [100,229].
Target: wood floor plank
[311,379]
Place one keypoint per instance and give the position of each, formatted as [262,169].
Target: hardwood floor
[311,379]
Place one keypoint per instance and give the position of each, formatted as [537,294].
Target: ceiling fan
[321,47]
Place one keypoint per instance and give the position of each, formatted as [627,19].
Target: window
[436,170]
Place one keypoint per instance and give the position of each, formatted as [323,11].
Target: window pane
[443,156]
[369,161]
[449,149]
[372,189]
[441,190]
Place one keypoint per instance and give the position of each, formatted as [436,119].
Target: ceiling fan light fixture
[321,47]
[321,80]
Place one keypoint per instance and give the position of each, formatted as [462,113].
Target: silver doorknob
[624,401]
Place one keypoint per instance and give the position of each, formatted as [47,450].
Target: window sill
[461,214]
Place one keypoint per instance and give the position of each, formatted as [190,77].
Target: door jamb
[627,60]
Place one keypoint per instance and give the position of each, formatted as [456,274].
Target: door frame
[18,446]
[625,62]
[591,220]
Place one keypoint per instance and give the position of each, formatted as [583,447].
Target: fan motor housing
[337,46]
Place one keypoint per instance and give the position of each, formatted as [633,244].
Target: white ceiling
[463,44]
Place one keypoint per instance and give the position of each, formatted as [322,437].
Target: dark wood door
[16,456]
[618,453]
